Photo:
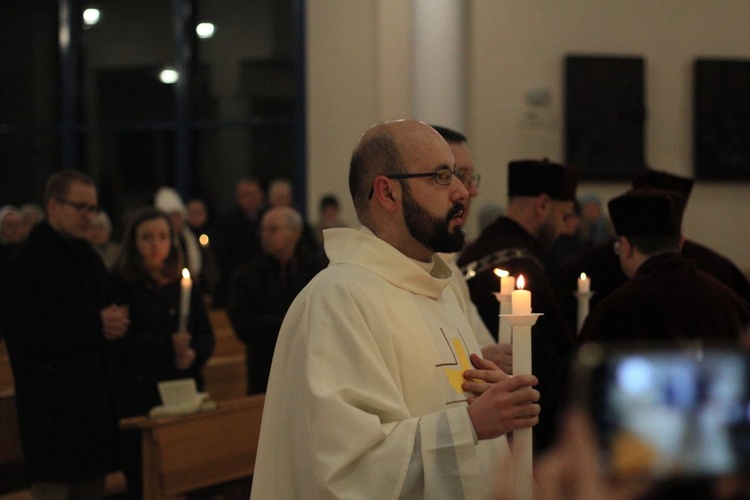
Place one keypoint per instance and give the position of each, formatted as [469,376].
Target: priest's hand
[501,355]
[486,373]
[504,405]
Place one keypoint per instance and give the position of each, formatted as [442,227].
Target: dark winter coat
[53,291]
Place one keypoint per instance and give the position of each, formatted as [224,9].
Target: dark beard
[547,236]
[433,232]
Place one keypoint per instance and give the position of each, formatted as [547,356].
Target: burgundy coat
[668,300]
[603,268]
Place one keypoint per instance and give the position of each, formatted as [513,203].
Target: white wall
[359,73]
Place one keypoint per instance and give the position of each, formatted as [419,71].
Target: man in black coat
[541,196]
[58,327]
[666,298]
[263,289]
[602,266]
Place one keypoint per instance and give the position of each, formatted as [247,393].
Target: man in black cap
[603,268]
[541,196]
[666,297]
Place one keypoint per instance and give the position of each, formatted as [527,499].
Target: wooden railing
[225,377]
[225,372]
[182,454]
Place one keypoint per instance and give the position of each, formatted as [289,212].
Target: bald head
[404,186]
[386,149]
[280,231]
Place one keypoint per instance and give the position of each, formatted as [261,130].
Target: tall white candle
[584,284]
[186,285]
[523,481]
[521,299]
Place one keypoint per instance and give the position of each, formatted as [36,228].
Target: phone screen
[671,413]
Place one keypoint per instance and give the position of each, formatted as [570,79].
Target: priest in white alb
[377,389]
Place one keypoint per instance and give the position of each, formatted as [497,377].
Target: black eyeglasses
[81,207]
[442,175]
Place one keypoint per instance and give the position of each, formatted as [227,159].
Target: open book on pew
[181,397]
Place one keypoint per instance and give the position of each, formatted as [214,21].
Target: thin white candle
[584,284]
[186,285]
[521,299]
[583,296]
[507,284]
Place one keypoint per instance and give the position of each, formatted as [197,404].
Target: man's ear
[542,204]
[385,194]
[626,247]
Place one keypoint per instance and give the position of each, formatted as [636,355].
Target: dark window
[97,103]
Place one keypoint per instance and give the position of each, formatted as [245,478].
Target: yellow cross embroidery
[455,373]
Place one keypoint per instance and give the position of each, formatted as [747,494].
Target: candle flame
[185,273]
[520,282]
[583,276]
[502,273]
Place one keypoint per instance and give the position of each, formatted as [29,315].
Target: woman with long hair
[148,274]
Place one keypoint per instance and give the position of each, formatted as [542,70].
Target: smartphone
[665,411]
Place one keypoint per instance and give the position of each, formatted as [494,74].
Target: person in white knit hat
[169,201]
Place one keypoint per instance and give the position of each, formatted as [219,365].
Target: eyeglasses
[469,180]
[80,207]
[442,175]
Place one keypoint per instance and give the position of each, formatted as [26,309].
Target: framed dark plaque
[604,116]
[721,126]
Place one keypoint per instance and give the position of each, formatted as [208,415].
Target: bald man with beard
[377,389]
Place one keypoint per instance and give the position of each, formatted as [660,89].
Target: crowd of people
[377,350]
[93,324]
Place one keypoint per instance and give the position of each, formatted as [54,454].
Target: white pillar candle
[584,284]
[521,299]
[186,286]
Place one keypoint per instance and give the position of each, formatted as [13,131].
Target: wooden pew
[12,468]
[182,454]
[225,373]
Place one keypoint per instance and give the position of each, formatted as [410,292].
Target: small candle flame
[521,282]
[502,273]
[185,273]
[583,276]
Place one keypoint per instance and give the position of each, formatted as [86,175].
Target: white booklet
[180,397]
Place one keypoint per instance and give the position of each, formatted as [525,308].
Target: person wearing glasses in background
[541,196]
[59,325]
[666,297]
[501,355]
[372,392]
